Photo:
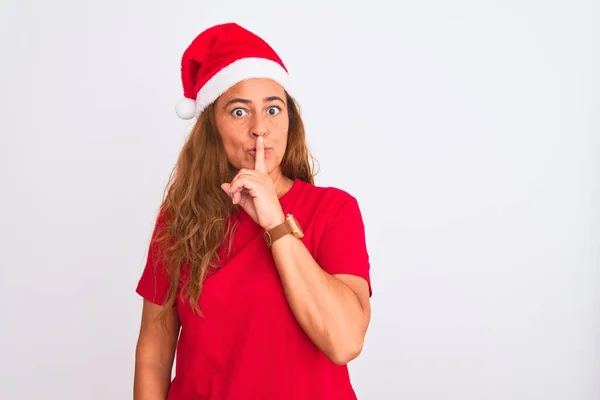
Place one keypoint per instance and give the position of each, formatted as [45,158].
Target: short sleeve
[342,248]
[154,282]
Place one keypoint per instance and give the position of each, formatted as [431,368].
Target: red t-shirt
[248,345]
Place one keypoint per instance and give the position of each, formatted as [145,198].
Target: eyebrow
[246,101]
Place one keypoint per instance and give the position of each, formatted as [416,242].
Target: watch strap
[277,232]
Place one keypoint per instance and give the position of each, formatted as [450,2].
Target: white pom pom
[186,108]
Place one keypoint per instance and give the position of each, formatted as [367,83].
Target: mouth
[253,150]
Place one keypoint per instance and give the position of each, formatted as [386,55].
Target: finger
[237,176]
[237,197]
[259,161]
[245,173]
[243,182]
[227,189]
[231,192]
[234,189]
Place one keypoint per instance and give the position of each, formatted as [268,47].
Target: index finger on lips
[259,160]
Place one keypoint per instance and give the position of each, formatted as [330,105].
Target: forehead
[255,90]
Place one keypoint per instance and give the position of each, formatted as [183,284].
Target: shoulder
[327,192]
[328,200]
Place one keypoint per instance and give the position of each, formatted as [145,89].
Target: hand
[255,192]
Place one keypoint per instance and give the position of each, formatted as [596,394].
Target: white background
[469,132]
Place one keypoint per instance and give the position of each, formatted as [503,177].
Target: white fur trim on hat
[237,71]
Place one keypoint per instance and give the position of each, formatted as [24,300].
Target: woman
[258,278]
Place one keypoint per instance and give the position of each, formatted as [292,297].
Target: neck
[281,182]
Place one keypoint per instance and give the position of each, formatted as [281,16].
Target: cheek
[279,133]
[231,137]
[235,151]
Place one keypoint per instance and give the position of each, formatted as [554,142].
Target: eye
[239,112]
[273,110]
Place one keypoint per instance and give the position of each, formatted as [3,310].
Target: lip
[253,150]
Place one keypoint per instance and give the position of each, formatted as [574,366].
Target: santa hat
[220,57]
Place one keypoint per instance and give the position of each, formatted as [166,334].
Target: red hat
[220,57]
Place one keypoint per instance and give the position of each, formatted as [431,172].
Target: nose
[259,127]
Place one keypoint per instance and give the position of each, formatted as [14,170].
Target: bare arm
[334,310]
[155,353]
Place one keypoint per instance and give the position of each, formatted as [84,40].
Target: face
[252,108]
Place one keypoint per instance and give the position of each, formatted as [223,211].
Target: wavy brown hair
[195,212]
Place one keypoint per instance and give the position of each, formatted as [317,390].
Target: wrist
[289,225]
[278,221]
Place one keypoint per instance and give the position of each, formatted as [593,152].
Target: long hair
[195,210]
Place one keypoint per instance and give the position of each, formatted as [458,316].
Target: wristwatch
[290,225]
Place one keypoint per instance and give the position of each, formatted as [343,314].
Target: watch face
[296,229]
